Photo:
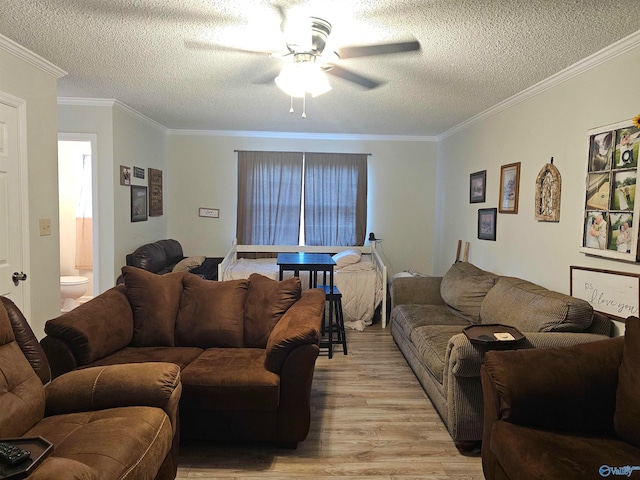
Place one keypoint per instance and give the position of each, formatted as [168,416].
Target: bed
[363,284]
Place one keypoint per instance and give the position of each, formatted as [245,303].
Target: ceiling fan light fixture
[298,79]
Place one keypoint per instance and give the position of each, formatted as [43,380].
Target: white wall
[25,80]
[401,189]
[124,138]
[552,123]
[138,143]
[99,121]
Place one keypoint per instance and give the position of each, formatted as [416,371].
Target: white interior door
[12,276]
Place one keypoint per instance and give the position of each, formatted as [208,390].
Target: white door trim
[93,139]
[21,106]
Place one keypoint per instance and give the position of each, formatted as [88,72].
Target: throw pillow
[188,263]
[464,287]
[346,257]
[211,313]
[155,300]
[626,418]
[267,302]
[513,300]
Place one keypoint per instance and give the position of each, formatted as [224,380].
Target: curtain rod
[328,153]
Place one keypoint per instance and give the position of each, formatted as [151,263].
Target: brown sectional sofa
[429,314]
[246,348]
[575,415]
[79,412]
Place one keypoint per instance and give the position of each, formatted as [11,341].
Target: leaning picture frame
[138,203]
[509,188]
[477,187]
[487,218]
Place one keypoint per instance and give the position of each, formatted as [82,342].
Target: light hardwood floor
[370,419]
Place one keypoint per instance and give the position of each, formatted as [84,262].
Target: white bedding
[360,286]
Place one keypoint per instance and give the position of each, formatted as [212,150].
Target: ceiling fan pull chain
[291,108]
[304,106]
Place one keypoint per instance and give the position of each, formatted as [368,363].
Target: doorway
[78,207]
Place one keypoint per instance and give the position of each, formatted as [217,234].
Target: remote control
[12,454]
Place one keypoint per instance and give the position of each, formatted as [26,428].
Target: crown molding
[30,57]
[618,48]
[303,136]
[112,103]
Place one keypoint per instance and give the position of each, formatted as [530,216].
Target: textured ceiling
[474,55]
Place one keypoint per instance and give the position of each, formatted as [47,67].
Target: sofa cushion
[267,301]
[97,328]
[525,453]
[151,257]
[22,398]
[295,329]
[211,314]
[187,264]
[181,356]
[627,413]
[464,287]
[431,342]
[230,379]
[155,300]
[133,440]
[408,317]
[532,308]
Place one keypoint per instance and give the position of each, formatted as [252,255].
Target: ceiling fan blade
[266,78]
[354,77]
[282,13]
[197,45]
[379,49]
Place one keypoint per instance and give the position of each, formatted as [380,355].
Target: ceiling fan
[305,61]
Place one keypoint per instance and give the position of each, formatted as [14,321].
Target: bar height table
[312,263]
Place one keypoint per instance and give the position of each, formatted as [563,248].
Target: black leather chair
[160,257]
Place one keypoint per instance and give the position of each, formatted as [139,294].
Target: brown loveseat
[104,422]
[247,348]
[564,413]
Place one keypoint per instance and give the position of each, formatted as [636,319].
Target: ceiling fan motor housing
[320,30]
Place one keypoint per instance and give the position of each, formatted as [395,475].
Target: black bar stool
[336,325]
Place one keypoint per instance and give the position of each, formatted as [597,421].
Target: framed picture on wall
[487,223]
[609,222]
[138,203]
[509,188]
[477,187]
[125,175]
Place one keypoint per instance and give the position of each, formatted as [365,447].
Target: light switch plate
[45,226]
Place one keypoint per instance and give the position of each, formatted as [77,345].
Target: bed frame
[379,266]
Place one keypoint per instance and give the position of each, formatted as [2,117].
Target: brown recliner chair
[563,413]
[104,422]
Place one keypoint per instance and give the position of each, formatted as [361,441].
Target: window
[269,198]
[272,205]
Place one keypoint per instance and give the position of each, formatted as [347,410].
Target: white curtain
[84,220]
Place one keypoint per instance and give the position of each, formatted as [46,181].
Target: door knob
[18,277]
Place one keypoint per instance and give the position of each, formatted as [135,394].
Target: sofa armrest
[567,388]
[299,326]
[95,329]
[153,384]
[464,359]
[416,290]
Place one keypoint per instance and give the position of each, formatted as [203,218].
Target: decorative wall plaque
[548,187]
[155,193]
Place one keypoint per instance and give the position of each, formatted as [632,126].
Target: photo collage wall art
[610,222]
